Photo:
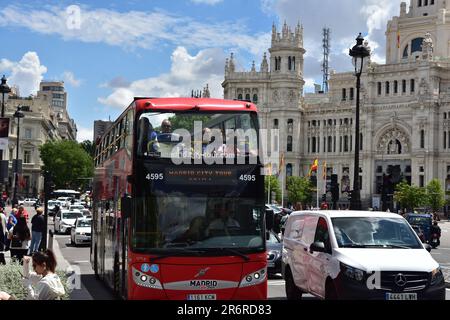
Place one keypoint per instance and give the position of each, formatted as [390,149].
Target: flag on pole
[314,167]
[324,174]
[281,163]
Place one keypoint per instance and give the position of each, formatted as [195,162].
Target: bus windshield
[207,208]
[189,134]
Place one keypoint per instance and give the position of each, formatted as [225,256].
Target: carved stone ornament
[394,141]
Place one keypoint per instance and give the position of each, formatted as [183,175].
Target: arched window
[289,144]
[289,170]
[379,88]
[388,87]
[275,123]
[313,144]
[416,45]
[403,86]
[412,86]
[344,94]
[247,97]
[289,63]
[419,3]
[360,142]
[255,98]
[422,139]
[240,96]
[330,144]
[395,86]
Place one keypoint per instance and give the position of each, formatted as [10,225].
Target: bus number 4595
[247,177]
[155,176]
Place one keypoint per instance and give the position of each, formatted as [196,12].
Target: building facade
[43,121]
[405,108]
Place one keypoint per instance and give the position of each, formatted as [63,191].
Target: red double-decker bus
[178,202]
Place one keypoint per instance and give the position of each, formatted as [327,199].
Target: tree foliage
[187,121]
[410,197]
[299,190]
[89,147]
[67,161]
[274,187]
[436,195]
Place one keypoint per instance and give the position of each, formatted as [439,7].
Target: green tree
[299,190]
[89,147]
[187,121]
[410,197]
[274,187]
[436,195]
[68,162]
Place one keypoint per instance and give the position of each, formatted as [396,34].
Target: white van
[357,255]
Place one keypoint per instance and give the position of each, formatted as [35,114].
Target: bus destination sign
[202,176]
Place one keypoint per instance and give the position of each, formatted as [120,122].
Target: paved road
[91,288]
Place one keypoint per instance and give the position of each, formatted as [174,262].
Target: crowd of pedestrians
[24,246]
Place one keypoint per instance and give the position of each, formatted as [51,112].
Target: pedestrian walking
[42,283]
[37,230]
[3,223]
[20,237]
[23,212]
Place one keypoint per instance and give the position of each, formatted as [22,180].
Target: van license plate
[201,297]
[401,296]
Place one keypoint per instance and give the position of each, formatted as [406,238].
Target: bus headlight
[254,278]
[143,280]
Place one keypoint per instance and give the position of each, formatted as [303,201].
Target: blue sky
[113,50]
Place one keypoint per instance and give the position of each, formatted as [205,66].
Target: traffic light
[334,188]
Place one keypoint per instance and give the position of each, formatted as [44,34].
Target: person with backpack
[37,230]
[20,237]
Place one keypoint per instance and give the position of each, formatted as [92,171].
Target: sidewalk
[63,265]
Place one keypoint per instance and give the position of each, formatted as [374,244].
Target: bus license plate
[201,297]
[401,296]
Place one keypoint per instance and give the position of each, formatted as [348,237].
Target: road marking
[80,262]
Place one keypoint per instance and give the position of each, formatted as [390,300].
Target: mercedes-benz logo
[400,280]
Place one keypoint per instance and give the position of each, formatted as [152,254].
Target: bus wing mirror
[127,206]
[269,219]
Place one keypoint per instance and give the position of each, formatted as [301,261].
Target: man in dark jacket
[37,230]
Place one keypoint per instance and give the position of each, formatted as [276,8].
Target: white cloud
[208,2]
[187,73]
[133,29]
[25,74]
[69,78]
[84,134]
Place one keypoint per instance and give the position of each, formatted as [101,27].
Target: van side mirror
[427,247]
[317,247]
[269,219]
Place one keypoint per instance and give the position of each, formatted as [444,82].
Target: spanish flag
[314,166]
[281,164]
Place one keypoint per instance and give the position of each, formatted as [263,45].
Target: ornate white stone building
[405,107]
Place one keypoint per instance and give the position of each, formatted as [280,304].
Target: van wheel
[330,291]
[292,291]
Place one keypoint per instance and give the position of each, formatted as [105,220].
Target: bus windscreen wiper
[176,252]
[236,252]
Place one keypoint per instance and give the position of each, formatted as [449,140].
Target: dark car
[424,221]
[274,247]
[419,232]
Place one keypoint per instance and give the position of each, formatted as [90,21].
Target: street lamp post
[18,114]
[4,89]
[359,52]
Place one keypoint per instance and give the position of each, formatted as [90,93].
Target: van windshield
[374,232]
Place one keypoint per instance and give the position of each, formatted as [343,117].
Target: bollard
[50,240]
